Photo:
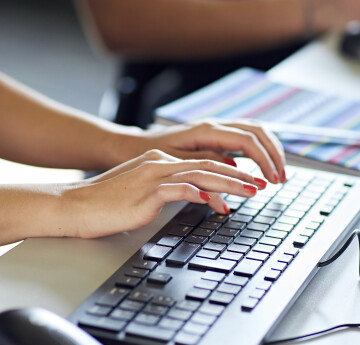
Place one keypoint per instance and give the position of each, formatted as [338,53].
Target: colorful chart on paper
[248,93]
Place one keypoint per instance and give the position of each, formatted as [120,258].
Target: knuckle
[153,154]
[250,138]
[207,164]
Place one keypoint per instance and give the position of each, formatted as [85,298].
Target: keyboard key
[282,227]
[208,254]
[228,255]
[198,294]
[145,264]
[307,232]
[248,211]
[191,214]
[204,319]
[195,328]
[183,253]
[169,323]
[179,230]
[130,282]
[249,304]
[131,305]
[279,266]
[221,298]
[136,272]
[257,293]
[212,309]
[147,319]
[264,285]
[288,220]
[99,310]
[272,275]
[218,247]
[215,276]
[159,278]
[235,198]
[203,232]
[170,241]
[157,253]
[246,241]
[121,314]
[210,225]
[206,284]
[103,323]
[229,288]
[241,218]
[222,239]
[276,234]
[178,314]
[271,241]
[313,226]
[254,204]
[291,251]
[257,226]
[257,256]
[275,206]
[163,300]
[196,239]
[286,258]
[270,213]
[264,220]
[300,241]
[264,248]
[247,267]
[188,305]
[294,213]
[238,248]
[228,232]
[183,338]
[235,225]
[218,218]
[113,297]
[150,332]
[218,265]
[140,296]
[251,234]
[236,280]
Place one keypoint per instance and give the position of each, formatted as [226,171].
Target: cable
[356,232]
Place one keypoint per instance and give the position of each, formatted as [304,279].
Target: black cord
[328,330]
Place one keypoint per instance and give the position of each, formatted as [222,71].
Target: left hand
[212,140]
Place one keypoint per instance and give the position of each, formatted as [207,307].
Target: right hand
[132,194]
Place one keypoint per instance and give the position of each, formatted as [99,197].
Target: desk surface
[58,274]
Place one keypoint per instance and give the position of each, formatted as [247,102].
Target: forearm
[197,28]
[31,211]
[36,130]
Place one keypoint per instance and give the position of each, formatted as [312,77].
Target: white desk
[58,274]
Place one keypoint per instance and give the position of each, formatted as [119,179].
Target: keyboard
[208,278]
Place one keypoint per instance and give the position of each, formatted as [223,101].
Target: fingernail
[260,182]
[226,209]
[250,188]
[284,179]
[230,161]
[276,177]
[204,196]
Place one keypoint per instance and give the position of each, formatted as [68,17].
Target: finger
[213,182]
[210,166]
[205,154]
[170,192]
[270,142]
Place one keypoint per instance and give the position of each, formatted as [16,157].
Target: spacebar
[150,332]
[219,265]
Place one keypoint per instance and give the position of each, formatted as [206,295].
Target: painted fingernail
[250,188]
[226,209]
[276,177]
[204,196]
[230,162]
[260,182]
[284,176]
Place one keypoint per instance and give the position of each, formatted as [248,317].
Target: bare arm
[208,28]
[38,131]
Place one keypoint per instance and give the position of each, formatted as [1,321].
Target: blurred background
[42,45]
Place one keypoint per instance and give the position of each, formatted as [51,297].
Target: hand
[212,140]
[132,194]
